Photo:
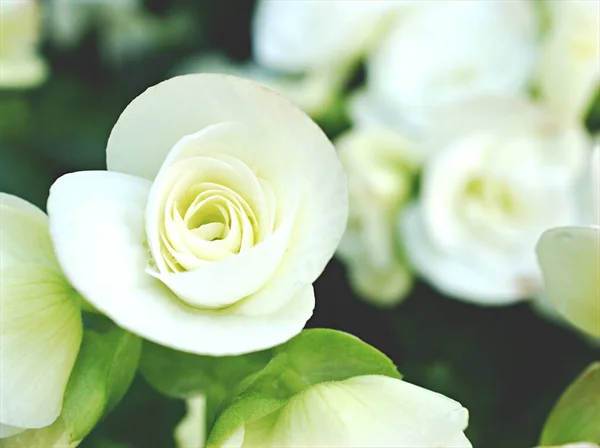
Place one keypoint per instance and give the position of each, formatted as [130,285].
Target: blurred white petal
[570,260]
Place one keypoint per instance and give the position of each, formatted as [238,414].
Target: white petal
[300,36]
[40,321]
[97,226]
[363,411]
[24,237]
[570,260]
[462,278]
[489,48]
[227,281]
[161,116]
[8,431]
[569,65]
[191,430]
[210,286]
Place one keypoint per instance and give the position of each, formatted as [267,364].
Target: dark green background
[506,365]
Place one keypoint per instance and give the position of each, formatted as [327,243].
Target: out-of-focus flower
[363,411]
[125,29]
[570,261]
[191,431]
[311,35]
[314,92]
[223,204]
[40,321]
[444,52]
[381,167]
[500,172]
[569,67]
[306,49]
[20,64]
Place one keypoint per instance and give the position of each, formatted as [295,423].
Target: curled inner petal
[211,201]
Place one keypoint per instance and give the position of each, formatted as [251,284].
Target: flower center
[212,208]
[489,204]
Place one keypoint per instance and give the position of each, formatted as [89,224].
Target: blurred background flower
[464,128]
[20,31]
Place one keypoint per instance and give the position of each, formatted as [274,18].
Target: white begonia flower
[380,166]
[20,64]
[223,203]
[500,174]
[570,261]
[444,52]
[315,35]
[364,411]
[569,68]
[40,321]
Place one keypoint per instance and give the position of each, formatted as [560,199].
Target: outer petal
[463,279]
[363,411]
[98,217]
[8,431]
[40,323]
[569,66]
[161,116]
[570,260]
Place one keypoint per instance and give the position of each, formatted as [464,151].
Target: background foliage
[506,365]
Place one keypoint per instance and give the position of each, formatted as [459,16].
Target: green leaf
[313,357]
[576,415]
[104,369]
[183,375]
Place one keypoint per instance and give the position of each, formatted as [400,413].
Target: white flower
[40,321]
[500,174]
[381,167]
[569,67]
[315,35]
[444,52]
[570,260]
[223,203]
[20,64]
[364,411]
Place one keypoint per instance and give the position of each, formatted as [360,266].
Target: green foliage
[312,357]
[576,415]
[184,375]
[104,369]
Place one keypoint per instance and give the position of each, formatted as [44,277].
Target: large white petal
[156,120]
[97,226]
[363,411]
[570,260]
[40,322]
[463,278]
